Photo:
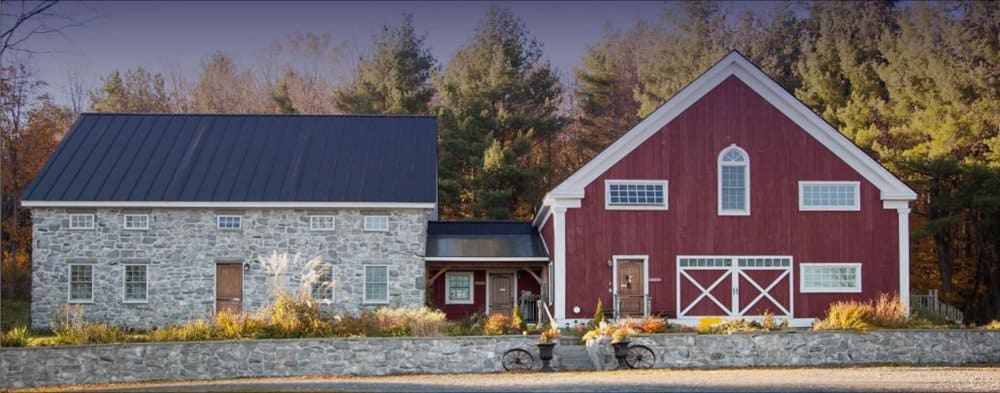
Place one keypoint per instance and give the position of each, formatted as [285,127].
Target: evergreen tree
[605,105]
[139,91]
[282,97]
[395,77]
[839,63]
[772,42]
[498,119]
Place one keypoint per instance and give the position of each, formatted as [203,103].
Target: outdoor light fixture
[576,309]
[246,267]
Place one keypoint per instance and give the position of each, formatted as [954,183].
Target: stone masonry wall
[29,367]
[182,247]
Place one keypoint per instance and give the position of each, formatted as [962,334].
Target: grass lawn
[14,313]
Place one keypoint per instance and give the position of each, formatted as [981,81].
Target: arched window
[734,182]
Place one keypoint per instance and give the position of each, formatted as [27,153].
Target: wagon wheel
[517,359]
[640,356]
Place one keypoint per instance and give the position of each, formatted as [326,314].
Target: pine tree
[282,97]
[497,120]
[395,77]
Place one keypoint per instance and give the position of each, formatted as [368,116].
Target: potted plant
[620,341]
[546,342]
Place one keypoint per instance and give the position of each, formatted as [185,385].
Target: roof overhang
[486,259]
[736,65]
[230,205]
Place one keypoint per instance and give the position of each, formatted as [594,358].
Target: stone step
[574,357]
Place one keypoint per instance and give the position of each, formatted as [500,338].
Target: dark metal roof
[483,239]
[244,158]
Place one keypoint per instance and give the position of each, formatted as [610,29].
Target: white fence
[931,303]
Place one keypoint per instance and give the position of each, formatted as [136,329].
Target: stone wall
[182,246]
[27,367]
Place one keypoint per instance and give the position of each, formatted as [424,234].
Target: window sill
[734,213]
[135,301]
[81,301]
[465,302]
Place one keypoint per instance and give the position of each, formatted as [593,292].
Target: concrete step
[573,357]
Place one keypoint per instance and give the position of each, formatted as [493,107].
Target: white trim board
[736,65]
[195,204]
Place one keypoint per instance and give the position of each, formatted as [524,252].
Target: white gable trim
[734,65]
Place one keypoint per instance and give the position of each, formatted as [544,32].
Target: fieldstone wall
[30,367]
[182,246]
[841,348]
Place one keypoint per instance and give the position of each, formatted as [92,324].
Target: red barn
[732,199]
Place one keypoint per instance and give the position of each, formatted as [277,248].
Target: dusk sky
[165,36]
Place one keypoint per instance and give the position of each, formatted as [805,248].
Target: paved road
[882,379]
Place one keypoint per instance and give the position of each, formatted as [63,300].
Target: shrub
[15,337]
[469,326]
[705,324]
[423,321]
[193,331]
[238,326]
[360,325]
[768,323]
[598,315]
[496,324]
[994,325]
[70,328]
[296,317]
[647,325]
[516,322]
[887,312]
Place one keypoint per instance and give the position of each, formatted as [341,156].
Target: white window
[635,194]
[322,223]
[734,182]
[829,195]
[136,221]
[376,284]
[459,287]
[229,222]
[81,221]
[135,284]
[376,223]
[81,283]
[830,277]
[321,284]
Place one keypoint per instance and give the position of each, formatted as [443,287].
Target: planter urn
[545,353]
[621,351]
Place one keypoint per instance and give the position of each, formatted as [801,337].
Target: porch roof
[484,240]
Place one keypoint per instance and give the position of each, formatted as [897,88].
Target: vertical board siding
[685,153]
[525,282]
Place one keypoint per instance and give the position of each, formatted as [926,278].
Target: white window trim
[746,190]
[93,220]
[607,195]
[368,228]
[313,222]
[145,298]
[125,222]
[447,288]
[218,222]
[69,284]
[857,196]
[802,277]
[364,286]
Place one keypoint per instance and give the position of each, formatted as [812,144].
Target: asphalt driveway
[868,379]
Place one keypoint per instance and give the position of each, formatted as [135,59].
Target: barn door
[229,288]
[734,286]
[630,289]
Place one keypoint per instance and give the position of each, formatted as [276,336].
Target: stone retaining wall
[28,367]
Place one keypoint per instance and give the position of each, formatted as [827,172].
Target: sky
[177,36]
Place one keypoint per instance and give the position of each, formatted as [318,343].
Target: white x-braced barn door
[732,286]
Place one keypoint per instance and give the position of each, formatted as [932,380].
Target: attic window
[829,195]
[229,222]
[322,223]
[635,194]
[376,223]
[81,221]
[734,182]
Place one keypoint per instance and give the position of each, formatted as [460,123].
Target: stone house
[150,219]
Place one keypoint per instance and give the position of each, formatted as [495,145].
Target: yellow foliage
[706,324]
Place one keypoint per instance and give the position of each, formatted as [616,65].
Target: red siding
[525,282]
[685,152]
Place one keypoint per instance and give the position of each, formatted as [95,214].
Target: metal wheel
[640,356]
[517,360]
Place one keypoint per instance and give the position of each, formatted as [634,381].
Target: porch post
[559,261]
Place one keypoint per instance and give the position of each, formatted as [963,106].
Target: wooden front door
[229,288]
[501,293]
[631,288]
